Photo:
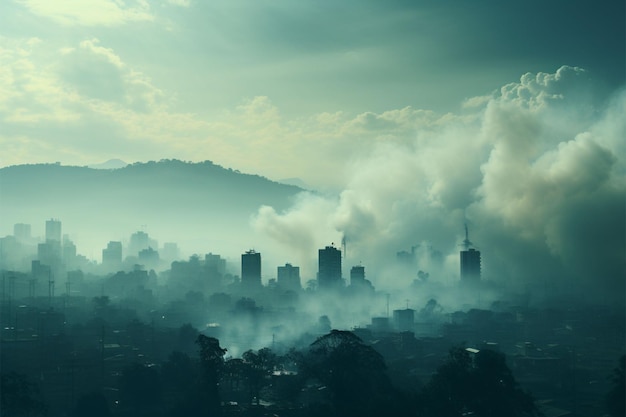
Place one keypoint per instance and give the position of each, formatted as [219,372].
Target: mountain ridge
[198,201]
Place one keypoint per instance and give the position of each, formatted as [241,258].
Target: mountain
[110,164]
[202,205]
[296,182]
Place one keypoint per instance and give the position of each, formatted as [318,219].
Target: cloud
[90,13]
[541,185]
[181,3]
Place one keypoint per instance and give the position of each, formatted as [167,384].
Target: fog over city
[250,209]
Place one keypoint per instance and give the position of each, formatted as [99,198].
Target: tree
[259,367]
[140,389]
[616,399]
[92,404]
[353,372]
[212,364]
[483,386]
[19,397]
[180,374]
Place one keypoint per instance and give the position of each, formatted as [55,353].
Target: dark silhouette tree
[353,372]
[259,367]
[233,382]
[212,365]
[180,375]
[616,398]
[19,397]
[494,391]
[93,404]
[140,390]
[483,387]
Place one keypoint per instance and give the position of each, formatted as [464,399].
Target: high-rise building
[112,255]
[139,241]
[357,275]
[470,261]
[470,265]
[49,253]
[329,268]
[251,269]
[404,320]
[215,264]
[170,251]
[21,231]
[69,253]
[53,230]
[288,277]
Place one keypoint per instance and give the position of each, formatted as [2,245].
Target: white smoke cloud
[537,170]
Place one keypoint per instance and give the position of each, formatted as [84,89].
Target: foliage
[19,397]
[140,389]
[258,368]
[482,386]
[353,373]
[212,365]
[92,404]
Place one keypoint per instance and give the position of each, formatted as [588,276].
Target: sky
[411,117]
[281,89]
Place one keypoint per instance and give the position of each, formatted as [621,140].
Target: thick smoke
[536,170]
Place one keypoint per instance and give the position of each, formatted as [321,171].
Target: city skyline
[407,120]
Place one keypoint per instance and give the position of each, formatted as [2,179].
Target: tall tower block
[329,268]
[53,230]
[470,261]
[251,269]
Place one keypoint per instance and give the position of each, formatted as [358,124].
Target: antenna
[466,243]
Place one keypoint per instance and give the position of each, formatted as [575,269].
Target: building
[288,277]
[329,268]
[53,231]
[215,264]
[49,253]
[139,241]
[357,275]
[112,255]
[149,257]
[404,320]
[21,231]
[470,261]
[470,265]
[170,251]
[251,269]
[69,253]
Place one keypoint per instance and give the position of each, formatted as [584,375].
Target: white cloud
[543,193]
[90,12]
[182,3]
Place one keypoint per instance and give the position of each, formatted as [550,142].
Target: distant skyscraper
[329,268]
[53,230]
[170,251]
[470,261]
[251,269]
[214,264]
[289,277]
[149,257]
[470,265]
[21,232]
[112,255]
[357,275]
[69,253]
[49,253]
[138,242]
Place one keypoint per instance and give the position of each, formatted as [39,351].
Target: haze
[384,129]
